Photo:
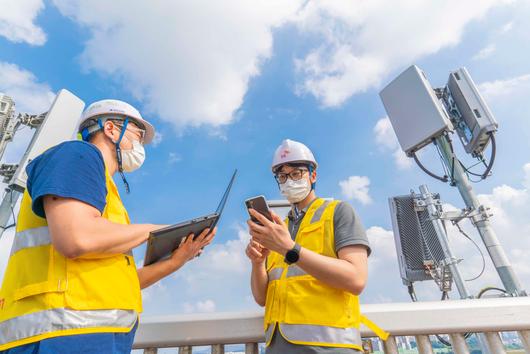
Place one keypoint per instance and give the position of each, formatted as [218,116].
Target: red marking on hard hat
[2,303]
[284,154]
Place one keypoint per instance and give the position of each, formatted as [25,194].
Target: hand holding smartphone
[260,205]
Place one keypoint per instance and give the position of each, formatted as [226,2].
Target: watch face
[291,256]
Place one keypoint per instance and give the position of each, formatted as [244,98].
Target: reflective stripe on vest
[318,213]
[39,236]
[63,319]
[275,273]
[316,334]
[295,271]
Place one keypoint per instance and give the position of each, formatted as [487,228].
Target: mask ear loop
[310,167]
[118,156]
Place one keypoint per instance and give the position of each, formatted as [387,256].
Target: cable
[489,288]
[478,248]
[488,166]
[468,169]
[492,157]
[444,179]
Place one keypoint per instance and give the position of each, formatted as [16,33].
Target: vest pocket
[39,280]
[311,237]
[309,301]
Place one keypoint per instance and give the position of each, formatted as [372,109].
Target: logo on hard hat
[285,153]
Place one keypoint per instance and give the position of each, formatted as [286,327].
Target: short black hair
[293,165]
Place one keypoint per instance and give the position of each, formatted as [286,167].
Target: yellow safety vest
[303,309]
[45,294]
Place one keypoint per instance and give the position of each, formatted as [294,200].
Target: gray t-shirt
[348,228]
[348,231]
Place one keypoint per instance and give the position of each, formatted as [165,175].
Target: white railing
[420,319]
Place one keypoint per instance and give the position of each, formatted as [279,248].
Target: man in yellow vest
[71,283]
[309,270]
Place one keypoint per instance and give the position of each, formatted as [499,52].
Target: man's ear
[314,176]
[109,131]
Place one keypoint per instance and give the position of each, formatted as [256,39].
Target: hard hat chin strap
[118,156]
[311,169]
[85,135]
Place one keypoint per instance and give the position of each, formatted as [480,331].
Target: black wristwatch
[293,255]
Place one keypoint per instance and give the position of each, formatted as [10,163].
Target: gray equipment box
[474,112]
[60,124]
[415,112]
[415,238]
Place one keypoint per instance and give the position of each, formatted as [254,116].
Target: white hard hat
[117,108]
[291,151]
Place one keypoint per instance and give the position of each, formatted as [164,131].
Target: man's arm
[349,271]
[189,248]
[77,229]
[258,277]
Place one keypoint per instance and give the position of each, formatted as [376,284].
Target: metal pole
[450,260]
[251,348]
[390,345]
[495,343]
[481,221]
[6,208]
[458,343]
[424,344]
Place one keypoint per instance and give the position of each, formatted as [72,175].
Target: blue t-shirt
[73,169]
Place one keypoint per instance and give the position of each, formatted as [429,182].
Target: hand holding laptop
[191,246]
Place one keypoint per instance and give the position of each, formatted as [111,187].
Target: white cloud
[151,293]
[485,52]
[386,139]
[199,306]
[157,139]
[30,96]
[173,158]
[500,89]
[506,28]
[356,187]
[189,62]
[17,19]
[360,46]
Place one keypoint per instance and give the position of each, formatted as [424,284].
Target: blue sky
[224,84]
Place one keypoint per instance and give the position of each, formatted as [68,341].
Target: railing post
[495,343]
[458,342]
[185,349]
[390,345]
[218,349]
[251,348]
[150,351]
[424,344]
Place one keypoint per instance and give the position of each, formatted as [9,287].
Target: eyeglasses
[295,175]
[136,131]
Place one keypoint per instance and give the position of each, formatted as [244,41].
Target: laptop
[162,242]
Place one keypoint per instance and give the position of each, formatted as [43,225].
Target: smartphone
[260,205]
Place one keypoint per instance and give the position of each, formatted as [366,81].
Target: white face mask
[295,191]
[132,159]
